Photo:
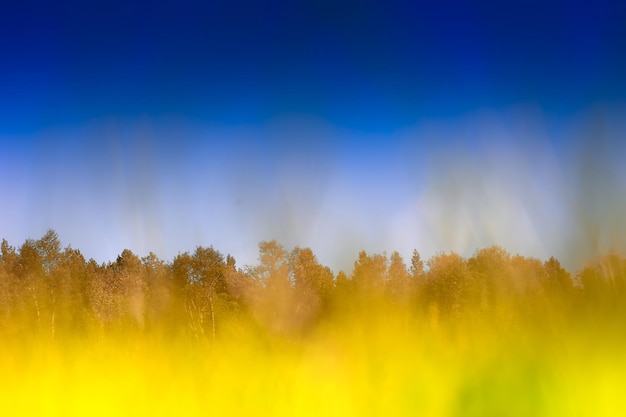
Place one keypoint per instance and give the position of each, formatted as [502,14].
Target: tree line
[46,289]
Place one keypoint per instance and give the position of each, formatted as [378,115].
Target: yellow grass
[383,362]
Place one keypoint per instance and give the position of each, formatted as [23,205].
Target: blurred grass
[383,362]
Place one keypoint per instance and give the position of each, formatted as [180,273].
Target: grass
[376,363]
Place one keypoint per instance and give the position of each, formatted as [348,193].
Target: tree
[558,281]
[449,282]
[203,277]
[369,273]
[71,284]
[343,292]
[528,275]
[275,303]
[417,268]
[313,282]
[399,281]
[159,290]
[30,274]
[49,249]
[8,283]
[492,276]
[273,269]
[604,281]
[241,286]
[129,274]
[118,291]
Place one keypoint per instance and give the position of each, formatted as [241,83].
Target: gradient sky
[339,125]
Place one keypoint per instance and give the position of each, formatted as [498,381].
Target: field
[541,354]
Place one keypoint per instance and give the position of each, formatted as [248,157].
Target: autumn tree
[33,294]
[313,283]
[400,283]
[203,277]
[72,281]
[557,280]
[128,270]
[50,290]
[369,273]
[31,271]
[275,303]
[343,292]
[118,291]
[49,249]
[492,277]
[418,275]
[528,276]
[241,286]
[604,282]
[449,283]
[8,283]
[160,303]
[273,268]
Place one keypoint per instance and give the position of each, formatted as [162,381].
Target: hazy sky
[339,125]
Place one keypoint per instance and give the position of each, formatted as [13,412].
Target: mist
[513,178]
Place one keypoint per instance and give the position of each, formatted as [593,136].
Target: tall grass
[390,363]
[364,354]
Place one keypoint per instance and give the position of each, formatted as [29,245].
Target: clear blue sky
[436,125]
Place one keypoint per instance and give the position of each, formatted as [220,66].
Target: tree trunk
[212,312]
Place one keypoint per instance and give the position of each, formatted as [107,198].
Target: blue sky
[435,125]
